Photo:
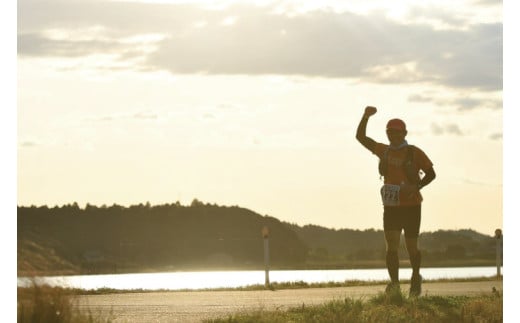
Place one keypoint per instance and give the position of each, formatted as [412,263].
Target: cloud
[254,41]
[140,115]
[496,136]
[401,73]
[488,2]
[122,52]
[461,103]
[438,16]
[227,106]
[451,129]
[478,183]
[28,144]
[420,98]
[208,116]
[145,116]
[472,103]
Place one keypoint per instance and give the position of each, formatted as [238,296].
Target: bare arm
[429,176]
[361,136]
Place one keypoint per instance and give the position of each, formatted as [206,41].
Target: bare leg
[415,255]
[392,238]
[415,261]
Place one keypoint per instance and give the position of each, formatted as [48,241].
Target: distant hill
[144,237]
[356,248]
[106,239]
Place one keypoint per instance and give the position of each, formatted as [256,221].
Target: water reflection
[216,279]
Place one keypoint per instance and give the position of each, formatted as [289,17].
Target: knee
[411,246]
[392,246]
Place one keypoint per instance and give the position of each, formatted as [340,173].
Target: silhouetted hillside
[359,248]
[142,237]
[344,244]
[70,239]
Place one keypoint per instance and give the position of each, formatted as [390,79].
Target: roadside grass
[272,286]
[42,303]
[392,307]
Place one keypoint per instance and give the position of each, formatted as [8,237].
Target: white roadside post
[498,236]
[265,235]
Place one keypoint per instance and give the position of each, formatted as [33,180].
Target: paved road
[198,305]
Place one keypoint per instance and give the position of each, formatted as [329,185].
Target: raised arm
[361,136]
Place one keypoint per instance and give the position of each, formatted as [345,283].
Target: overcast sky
[256,104]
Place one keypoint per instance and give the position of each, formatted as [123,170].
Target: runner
[401,165]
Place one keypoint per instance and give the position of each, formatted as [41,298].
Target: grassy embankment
[55,304]
[51,305]
[394,307]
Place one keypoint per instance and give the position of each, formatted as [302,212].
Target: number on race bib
[390,194]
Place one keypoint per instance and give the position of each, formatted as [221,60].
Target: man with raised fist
[401,165]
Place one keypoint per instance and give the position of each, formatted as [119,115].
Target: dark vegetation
[356,248]
[42,303]
[138,238]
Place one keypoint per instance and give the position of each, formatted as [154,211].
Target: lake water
[216,279]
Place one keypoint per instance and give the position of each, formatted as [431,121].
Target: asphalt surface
[195,306]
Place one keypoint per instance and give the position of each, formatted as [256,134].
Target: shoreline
[365,265]
[273,286]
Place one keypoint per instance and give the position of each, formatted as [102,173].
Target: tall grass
[393,307]
[42,303]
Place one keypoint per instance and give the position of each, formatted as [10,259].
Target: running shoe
[392,286]
[415,285]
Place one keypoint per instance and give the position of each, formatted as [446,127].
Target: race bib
[390,194]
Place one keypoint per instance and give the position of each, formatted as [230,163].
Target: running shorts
[407,218]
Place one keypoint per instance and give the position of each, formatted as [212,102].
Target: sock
[415,261]
[392,264]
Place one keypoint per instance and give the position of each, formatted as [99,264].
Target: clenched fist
[369,111]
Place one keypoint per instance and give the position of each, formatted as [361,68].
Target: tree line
[145,237]
[442,247]
[202,236]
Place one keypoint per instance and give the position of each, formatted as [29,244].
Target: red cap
[396,124]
